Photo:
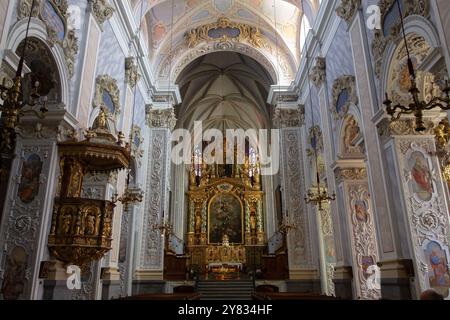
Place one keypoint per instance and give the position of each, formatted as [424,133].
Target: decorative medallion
[343,96]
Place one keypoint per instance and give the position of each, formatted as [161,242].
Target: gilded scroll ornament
[225,30]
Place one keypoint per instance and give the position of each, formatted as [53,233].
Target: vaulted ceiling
[224,90]
[166,20]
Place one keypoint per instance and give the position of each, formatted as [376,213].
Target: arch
[395,79]
[414,24]
[38,30]
[343,132]
[288,46]
[184,58]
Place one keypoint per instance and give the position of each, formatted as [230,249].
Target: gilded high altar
[224,201]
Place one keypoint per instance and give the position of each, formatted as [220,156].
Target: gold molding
[247,33]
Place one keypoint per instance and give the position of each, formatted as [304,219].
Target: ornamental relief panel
[294,185]
[426,212]
[363,237]
[22,227]
[55,16]
[151,249]
[327,238]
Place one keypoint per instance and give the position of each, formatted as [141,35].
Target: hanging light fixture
[417,106]
[320,195]
[14,100]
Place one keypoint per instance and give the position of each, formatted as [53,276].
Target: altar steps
[225,290]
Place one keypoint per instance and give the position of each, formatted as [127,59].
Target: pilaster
[151,253]
[414,168]
[289,118]
[388,245]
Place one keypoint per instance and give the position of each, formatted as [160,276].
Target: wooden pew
[290,296]
[164,296]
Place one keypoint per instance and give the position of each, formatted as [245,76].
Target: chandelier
[319,197]
[165,229]
[417,106]
[15,99]
[130,196]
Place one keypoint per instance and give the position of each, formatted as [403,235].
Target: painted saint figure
[420,172]
[361,211]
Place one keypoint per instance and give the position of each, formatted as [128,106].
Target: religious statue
[225,240]
[90,225]
[102,118]
[252,221]
[66,224]
[245,176]
[350,134]
[193,177]
[198,222]
[257,178]
[121,138]
[442,132]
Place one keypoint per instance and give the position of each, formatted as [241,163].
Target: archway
[223,91]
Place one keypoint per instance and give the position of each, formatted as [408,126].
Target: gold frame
[242,216]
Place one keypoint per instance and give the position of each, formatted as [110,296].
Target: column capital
[318,73]
[102,10]
[160,118]
[406,127]
[351,174]
[132,75]
[347,10]
[285,117]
